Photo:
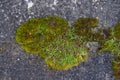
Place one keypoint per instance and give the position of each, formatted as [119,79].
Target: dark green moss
[117,31]
[83,26]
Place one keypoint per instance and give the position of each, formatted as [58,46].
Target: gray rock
[16,64]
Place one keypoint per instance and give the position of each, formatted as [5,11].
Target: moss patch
[63,47]
[50,38]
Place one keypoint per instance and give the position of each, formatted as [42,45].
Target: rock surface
[16,64]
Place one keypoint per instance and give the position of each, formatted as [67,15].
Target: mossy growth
[83,27]
[50,38]
[39,32]
[65,52]
[116,67]
[117,31]
[61,46]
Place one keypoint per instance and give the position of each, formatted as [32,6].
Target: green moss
[65,52]
[116,67]
[117,31]
[83,27]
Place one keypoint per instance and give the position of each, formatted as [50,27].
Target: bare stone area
[16,64]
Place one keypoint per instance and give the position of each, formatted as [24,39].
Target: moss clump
[65,52]
[83,27]
[39,32]
[63,47]
[50,38]
[117,31]
[116,67]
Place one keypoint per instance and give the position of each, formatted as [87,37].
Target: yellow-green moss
[26,33]
[39,32]
[116,67]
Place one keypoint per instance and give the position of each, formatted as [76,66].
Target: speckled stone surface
[16,64]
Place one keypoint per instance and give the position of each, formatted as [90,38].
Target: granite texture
[16,64]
